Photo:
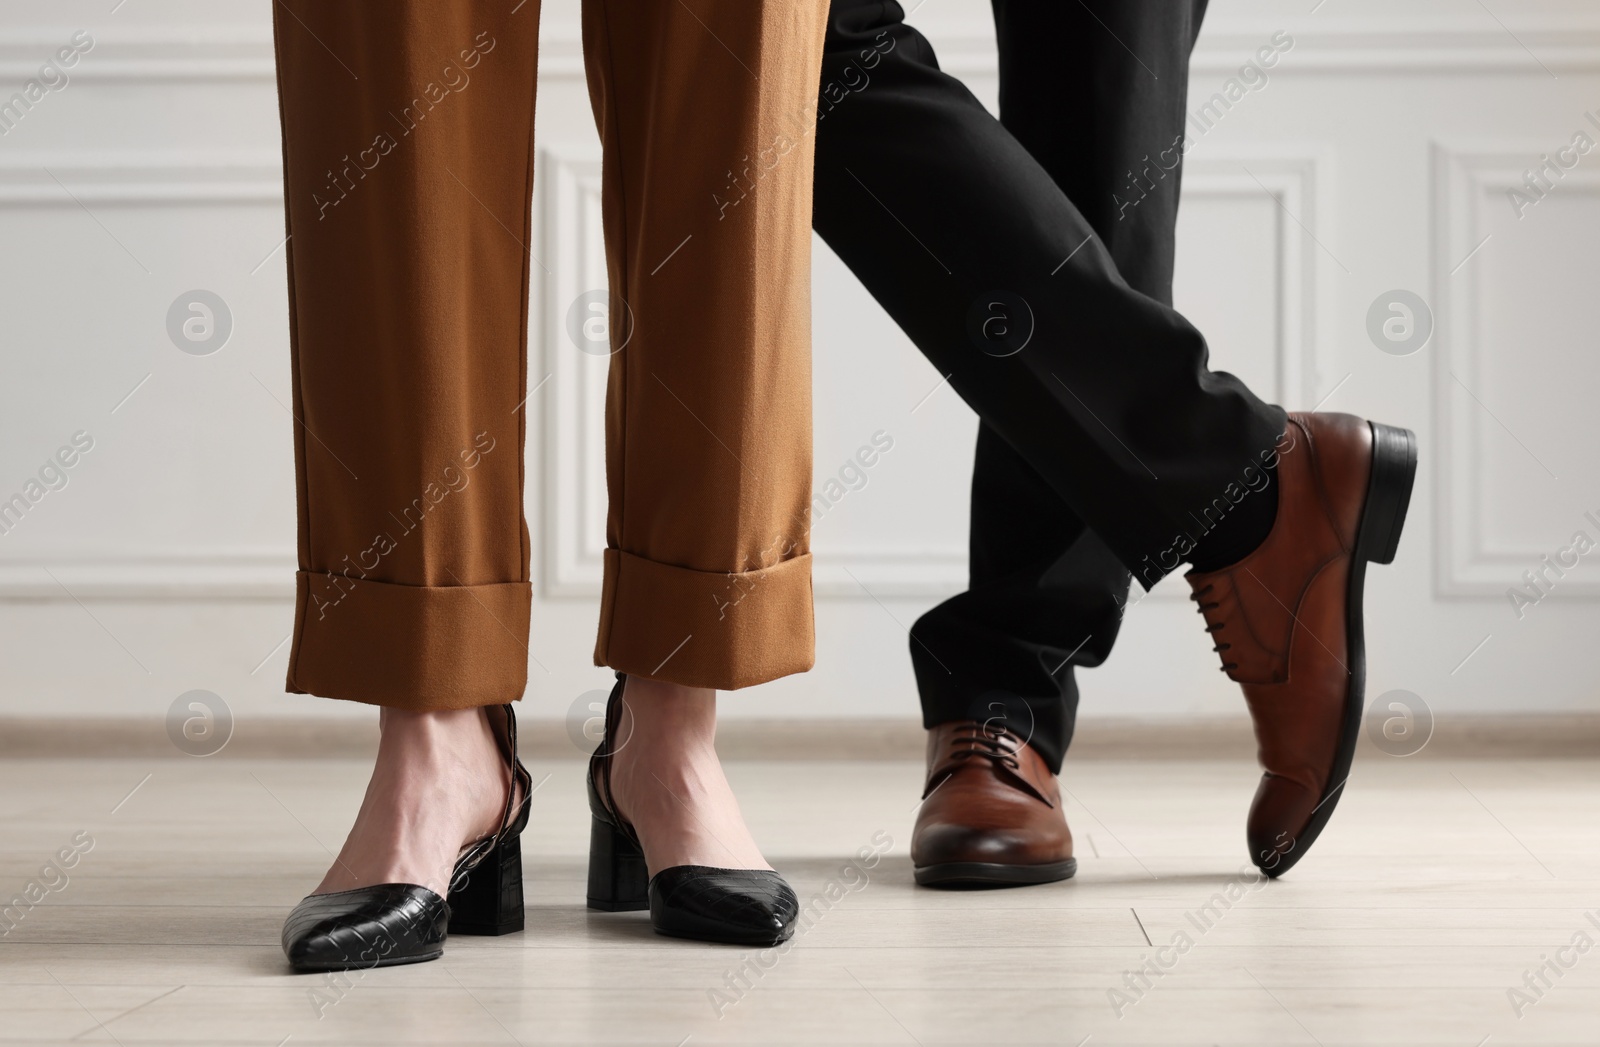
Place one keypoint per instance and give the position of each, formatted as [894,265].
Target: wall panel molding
[572,397]
[1290,184]
[40,178]
[1466,180]
[108,181]
[221,573]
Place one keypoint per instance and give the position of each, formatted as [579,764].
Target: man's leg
[1046,595]
[999,279]
[935,205]
[968,242]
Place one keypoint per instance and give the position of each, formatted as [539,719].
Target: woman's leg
[438,782]
[408,163]
[706,110]
[667,781]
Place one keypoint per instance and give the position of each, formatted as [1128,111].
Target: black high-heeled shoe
[394,923]
[735,906]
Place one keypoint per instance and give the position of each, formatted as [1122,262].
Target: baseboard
[1567,736]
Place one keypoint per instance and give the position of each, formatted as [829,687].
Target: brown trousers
[408,168]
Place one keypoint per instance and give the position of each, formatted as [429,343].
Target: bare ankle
[667,782]
[428,723]
[663,711]
[439,782]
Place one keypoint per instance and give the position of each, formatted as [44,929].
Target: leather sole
[993,874]
[387,961]
[1383,517]
[725,937]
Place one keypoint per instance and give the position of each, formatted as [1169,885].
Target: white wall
[1376,158]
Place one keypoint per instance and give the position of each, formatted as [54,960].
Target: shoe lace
[990,741]
[1213,627]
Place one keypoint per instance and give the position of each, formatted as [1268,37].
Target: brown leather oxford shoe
[1287,619]
[991,812]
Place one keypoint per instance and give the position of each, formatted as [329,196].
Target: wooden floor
[1436,887]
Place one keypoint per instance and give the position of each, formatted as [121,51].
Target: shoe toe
[367,927]
[327,947]
[947,842]
[737,906]
[1280,813]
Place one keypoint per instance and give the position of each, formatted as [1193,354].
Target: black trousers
[1030,259]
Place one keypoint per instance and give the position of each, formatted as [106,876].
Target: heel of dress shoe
[618,880]
[489,898]
[1394,472]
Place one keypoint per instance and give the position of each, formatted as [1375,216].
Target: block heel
[618,880]
[487,900]
[1394,473]
[732,906]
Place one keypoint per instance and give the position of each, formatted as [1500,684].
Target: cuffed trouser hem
[716,629]
[409,646]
